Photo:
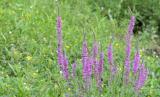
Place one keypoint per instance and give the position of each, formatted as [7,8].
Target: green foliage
[28,62]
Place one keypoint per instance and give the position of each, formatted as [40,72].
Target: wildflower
[143,73]
[102,85]
[55,86]
[94,56]
[95,62]
[67,46]
[74,69]
[87,65]
[128,48]
[100,70]
[95,50]
[136,62]
[90,62]
[85,59]
[112,67]
[29,58]
[117,45]
[65,68]
[35,74]
[59,38]
[60,72]
[60,57]
[141,52]
[69,89]
[127,59]
[88,72]
[101,63]
[110,55]
[131,25]
[59,27]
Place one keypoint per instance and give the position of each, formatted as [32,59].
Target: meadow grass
[28,48]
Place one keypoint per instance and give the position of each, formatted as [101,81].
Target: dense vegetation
[28,44]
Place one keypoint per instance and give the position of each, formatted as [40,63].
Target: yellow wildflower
[69,89]
[34,74]
[55,86]
[117,45]
[67,47]
[29,58]
[102,85]
[120,69]
[141,52]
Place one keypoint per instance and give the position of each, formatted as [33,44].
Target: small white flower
[102,8]
[61,72]
[10,32]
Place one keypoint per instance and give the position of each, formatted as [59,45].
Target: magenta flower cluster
[62,58]
[136,62]
[93,64]
[112,66]
[86,64]
[59,38]
[128,48]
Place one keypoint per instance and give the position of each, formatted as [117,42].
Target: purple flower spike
[101,63]
[127,59]
[110,55]
[136,62]
[87,65]
[65,68]
[95,49]
[85,59]
[74,69]
[59,26]
[95,53]
[90,62]
[100,70]
[59,38]
[60,57]
[112,67]
[131,25]
[128,49]
[89,72]
[143,73]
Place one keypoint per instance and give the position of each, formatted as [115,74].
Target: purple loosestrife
[60,58]
[94,55]
[74,69]
[143,73]
[85,59]
[89,72]
[95,50]
[95,60]
[112,67]
[65,68]
[100,69]
[136,62]
[59,38]
[87,65]
[101,63]
[127,59]
[131,25]
[90,62]
[110,57]
[128,49]
[110,54]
